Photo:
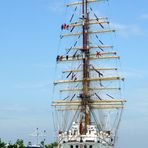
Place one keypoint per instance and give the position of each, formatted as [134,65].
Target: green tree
[43,143]
[48,146]
[2,144]
[12,146]
[55,144]
[52,145]
[20,143]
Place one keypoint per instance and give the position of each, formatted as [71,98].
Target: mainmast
[85,91]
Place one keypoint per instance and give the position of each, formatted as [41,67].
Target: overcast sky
[29,34]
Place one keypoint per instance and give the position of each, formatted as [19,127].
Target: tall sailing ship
[90,105]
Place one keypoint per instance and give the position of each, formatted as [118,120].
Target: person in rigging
[57,59]
[67,57]
[98,54]
[64,26]
[60,58]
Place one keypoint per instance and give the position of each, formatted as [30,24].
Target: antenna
[39,134]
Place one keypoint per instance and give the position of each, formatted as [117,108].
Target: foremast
[85,97]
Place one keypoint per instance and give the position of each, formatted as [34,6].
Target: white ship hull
[92,139]
[85,145]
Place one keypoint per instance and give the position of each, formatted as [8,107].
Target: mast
[85,91]
[91,89]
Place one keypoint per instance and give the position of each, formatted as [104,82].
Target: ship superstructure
[89,110]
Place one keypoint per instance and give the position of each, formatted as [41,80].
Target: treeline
[20,144]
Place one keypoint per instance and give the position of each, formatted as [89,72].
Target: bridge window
[71,146]
[90,146]
[77,146]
